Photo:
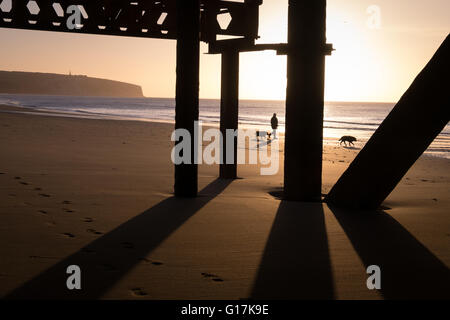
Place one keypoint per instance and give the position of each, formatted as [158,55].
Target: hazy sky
[368,64]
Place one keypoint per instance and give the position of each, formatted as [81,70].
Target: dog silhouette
[263,134]
[349,139]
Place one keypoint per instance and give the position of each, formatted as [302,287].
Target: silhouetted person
[274,123]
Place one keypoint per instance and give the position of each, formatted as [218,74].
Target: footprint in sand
[24,183]
[68,210]
[139,292]
[17,178]
[44,195]
[37,189]
[43,211]
[68,234]
[155,263]
[2,173]
[93,231]
[127,245]
[87,219]
[208,275]
[213,277]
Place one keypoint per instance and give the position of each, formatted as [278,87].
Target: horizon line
[281,100]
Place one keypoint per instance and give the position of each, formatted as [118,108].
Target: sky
[375,59]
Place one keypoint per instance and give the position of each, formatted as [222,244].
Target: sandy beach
[98,194]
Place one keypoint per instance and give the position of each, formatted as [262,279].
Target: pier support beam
[420,115]
[187,89]
[229,108]
[305,100]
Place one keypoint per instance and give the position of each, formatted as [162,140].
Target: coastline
[84,188]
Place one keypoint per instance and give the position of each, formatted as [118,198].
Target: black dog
[349,139]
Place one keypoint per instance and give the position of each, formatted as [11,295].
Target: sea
[359,119]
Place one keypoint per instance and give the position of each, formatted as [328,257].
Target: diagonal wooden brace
[413,124]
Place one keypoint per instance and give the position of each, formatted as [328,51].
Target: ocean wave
[355,123]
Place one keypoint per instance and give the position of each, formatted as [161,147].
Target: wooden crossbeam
[130,18]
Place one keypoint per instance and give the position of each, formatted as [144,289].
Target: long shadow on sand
[106,260]
[408,269]
[296,262]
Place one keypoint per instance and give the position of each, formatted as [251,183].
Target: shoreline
[43,112]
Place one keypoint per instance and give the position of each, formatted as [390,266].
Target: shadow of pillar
[408,269]
[109,258]
[296,262]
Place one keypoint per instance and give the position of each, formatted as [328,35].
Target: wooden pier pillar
[229,109]
[417,119]
[187,89]
[305,100]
